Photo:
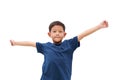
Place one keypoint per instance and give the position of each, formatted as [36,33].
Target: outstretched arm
[103,24]
[22,43]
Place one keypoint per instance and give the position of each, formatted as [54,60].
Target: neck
[57,43]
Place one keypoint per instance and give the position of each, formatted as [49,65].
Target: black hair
[56,23]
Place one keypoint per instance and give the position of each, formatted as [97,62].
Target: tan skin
[57,34]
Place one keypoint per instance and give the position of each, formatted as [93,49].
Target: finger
[11,42]
[106,23]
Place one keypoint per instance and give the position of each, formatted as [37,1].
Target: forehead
[57,27]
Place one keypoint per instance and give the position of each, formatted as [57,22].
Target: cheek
[52,35]
[62,35]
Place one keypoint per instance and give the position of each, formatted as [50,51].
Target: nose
[57,33]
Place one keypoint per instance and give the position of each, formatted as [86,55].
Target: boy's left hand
[104,24]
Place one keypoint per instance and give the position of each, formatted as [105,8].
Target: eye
[60,31]
[54,31]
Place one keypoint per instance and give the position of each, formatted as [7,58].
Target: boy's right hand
[12,42]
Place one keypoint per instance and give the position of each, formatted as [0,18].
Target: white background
[98,58]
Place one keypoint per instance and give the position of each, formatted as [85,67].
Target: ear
[49,34]
[65,34]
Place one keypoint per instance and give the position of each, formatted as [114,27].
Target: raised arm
[22,43]
[103,24]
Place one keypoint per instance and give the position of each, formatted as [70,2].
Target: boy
[58,55]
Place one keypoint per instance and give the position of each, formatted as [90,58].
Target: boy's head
[57,31]
[56,23]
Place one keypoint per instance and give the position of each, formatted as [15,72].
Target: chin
[57,42]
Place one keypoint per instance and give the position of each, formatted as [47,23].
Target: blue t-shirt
[57,59]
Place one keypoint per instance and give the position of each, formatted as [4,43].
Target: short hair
[56,23]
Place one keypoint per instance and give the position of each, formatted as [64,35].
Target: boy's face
[57,33]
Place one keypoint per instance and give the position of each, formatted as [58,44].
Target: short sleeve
[39,47]
[74,43]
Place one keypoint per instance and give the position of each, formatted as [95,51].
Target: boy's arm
[22,43]
[103,24]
